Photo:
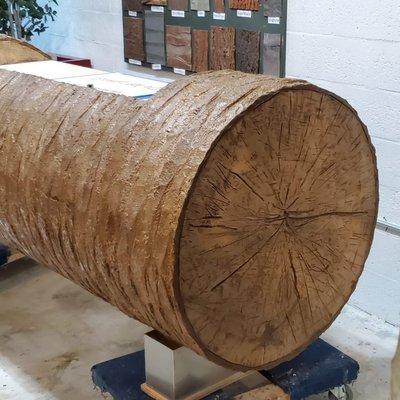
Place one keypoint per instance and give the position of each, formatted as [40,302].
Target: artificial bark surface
[179,46]
[14,51]
[200,5]
[244,4]
[231,212]
[200,50]
[272,54]
[180,5]
[133,38]
[248,51]
[273,8]
[222,48]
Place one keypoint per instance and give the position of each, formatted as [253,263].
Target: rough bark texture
[13,51]
[133,38]
[154,37]
[273,8]
[222,48]
[231,212]
[244,4]
[247,51]
[132,5]
[219,6]
[179,47]
[200,50]
[182,5]
[272,54]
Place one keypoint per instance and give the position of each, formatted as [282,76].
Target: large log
[14,51]
[231,212]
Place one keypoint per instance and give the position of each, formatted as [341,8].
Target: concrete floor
[52,332]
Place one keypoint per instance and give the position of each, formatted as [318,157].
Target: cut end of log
[276,229]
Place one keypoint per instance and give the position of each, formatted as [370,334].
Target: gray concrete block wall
[349,47]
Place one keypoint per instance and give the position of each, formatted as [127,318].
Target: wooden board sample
[267,392]
[232,213]
[200,50]
[132,5]
[181,5]
[244,4]
[219,6]
[200,5]
[179,47]
[247,51]
[14,51]
[272,54]
[222,48]
[273,8]
[154,37]
[155,2]
[133,38]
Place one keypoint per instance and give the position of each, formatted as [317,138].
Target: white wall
[349,47]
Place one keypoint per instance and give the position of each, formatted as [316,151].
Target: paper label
[179,71]
[134,62]
[243,13]
[178,13]
[159,9]
[274,20]
[132,13]
[201,13]
[220,16]
[155,66]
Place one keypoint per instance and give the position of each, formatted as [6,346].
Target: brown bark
[247,51]
[219,6]
[182,5]
[13,51]
[132,5]
[222,48]
[231,212]
[244,4]
[200,50]
[133,38]
[179,47]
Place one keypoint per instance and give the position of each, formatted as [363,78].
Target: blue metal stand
[317,369]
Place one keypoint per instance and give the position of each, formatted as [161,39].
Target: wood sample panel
[200,5]
[244,4]
[133,38]
[248,51]
[132,5]
[181,5]
[273,8]
[200,50]
[219,6]
[179,47]
[222,48]
[154,37]
[272,54]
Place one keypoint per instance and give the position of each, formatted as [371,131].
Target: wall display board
[186,36]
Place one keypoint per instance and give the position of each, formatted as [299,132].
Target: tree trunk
[231,212]
[10,13]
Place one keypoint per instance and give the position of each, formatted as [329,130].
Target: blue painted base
[317,369]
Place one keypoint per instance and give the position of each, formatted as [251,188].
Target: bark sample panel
[132,5]
[222,48]
[233,213]
[244,4]
[154,37]
[133,38]
[200,50]
[219,6]
[200,5]
[248,51]
[181,5]
[179,47]
[272,54]
[273,8]
[155,2]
